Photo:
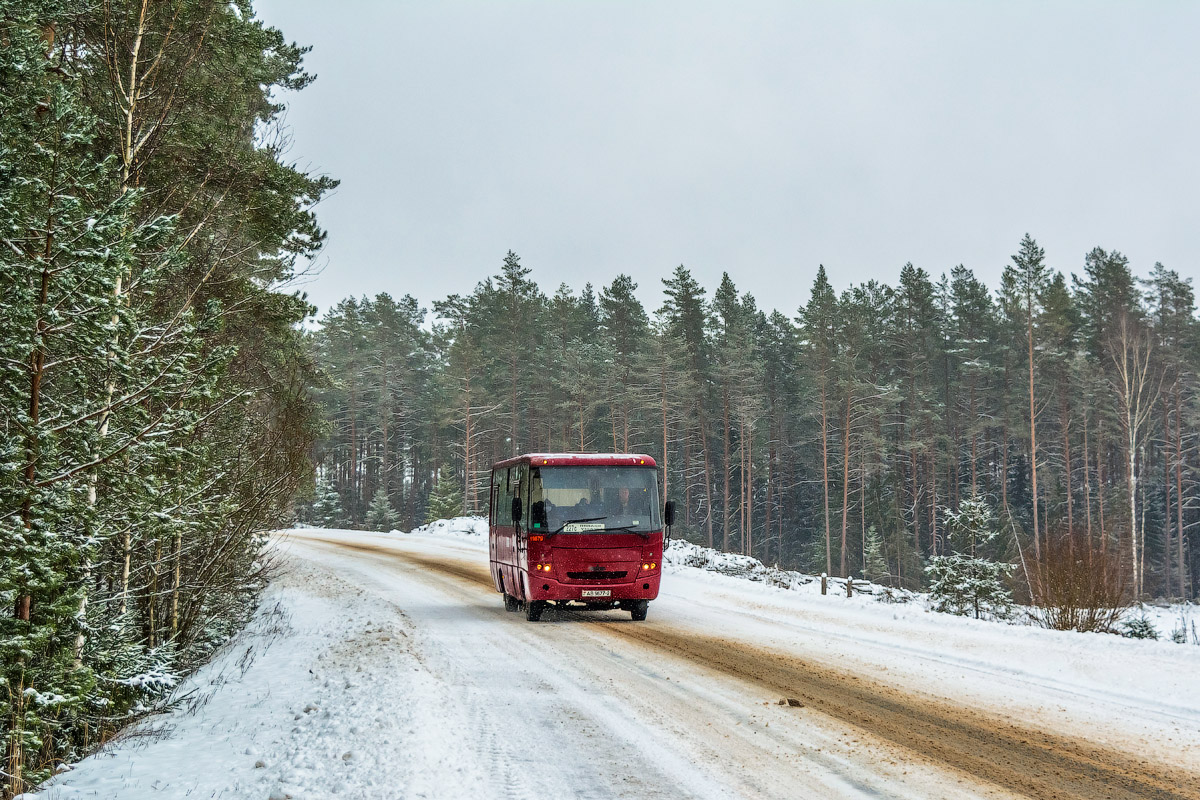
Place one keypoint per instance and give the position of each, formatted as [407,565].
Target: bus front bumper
[543,587]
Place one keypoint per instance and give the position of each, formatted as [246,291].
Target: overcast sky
[762,139]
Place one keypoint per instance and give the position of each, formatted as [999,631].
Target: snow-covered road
[385,666]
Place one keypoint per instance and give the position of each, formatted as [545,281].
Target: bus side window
[537,500]
[521,473]
[495,499]
[505,490]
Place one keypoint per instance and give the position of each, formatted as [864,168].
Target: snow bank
[303,703]
[459,527]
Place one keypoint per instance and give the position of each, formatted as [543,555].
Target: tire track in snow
[1018,758]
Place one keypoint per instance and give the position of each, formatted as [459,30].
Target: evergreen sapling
[445,501]
[964,582]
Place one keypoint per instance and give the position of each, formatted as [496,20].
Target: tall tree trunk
[1087,480]
[825,476]
[748,443]
[974,444]
[1037,547]
[1002,446]
[1166,459]
[1100,485]
[23,604]
[177,557]
[933,501]
[687,479]
[708,484]
[1179,492]
[772,479]
[514,445]
[914,465]
[662,393]
[846,477]
[727,468]
[1067,466]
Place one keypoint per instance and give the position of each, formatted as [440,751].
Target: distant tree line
[842,438]
[154,408]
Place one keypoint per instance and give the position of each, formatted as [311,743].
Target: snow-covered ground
[382,665]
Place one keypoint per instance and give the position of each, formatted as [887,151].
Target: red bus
[577,530]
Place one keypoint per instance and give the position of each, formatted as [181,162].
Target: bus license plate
[597,592]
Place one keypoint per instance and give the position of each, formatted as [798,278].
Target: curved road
[664,708]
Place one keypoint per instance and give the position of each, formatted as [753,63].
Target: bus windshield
[593,499]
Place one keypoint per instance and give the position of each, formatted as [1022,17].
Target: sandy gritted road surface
[385,666]
[686,703]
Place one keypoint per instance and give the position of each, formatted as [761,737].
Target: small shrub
[1180,635]
[1076,586]
[1139,628]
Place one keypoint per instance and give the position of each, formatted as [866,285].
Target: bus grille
[596,576]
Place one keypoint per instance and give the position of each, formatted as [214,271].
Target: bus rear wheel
[638,610]
[533,609]
[511,603]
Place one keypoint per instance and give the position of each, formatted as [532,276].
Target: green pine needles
[966,582]
[154,416]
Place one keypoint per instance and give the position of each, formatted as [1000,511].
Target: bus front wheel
[511,603]
[533,610]
[638,610]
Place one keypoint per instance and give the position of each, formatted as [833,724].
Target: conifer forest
[155,415]
[840,437]
[168,396]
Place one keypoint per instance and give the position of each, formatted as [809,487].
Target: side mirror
[516,510]
[669,513]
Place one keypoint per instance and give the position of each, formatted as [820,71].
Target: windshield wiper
[573,521]
[628,529]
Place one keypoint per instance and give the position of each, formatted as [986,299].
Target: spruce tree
[965,582]
[325,511]
[381,516]
[874,565]
[445,502]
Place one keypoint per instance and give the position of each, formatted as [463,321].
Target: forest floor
[384,665]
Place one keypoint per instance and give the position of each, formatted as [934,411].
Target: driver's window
[537,501]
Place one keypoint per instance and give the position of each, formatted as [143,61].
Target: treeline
[154,411]
[834,439]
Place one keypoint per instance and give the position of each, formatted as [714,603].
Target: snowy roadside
[355,681]
[303,703]
[1087,683]
[1181,619]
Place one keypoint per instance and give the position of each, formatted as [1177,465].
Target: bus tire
[511,603]
[638,610]
[533,610]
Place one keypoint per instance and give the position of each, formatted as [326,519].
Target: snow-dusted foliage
[964,582]
[446,499]
[324,509]
[381,516]
[153,419]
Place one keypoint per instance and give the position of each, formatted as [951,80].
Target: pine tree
[153,408]
[1024,282]
[819,322]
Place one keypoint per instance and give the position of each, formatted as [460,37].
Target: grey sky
[756,138]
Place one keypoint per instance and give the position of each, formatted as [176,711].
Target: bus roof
[580,460]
